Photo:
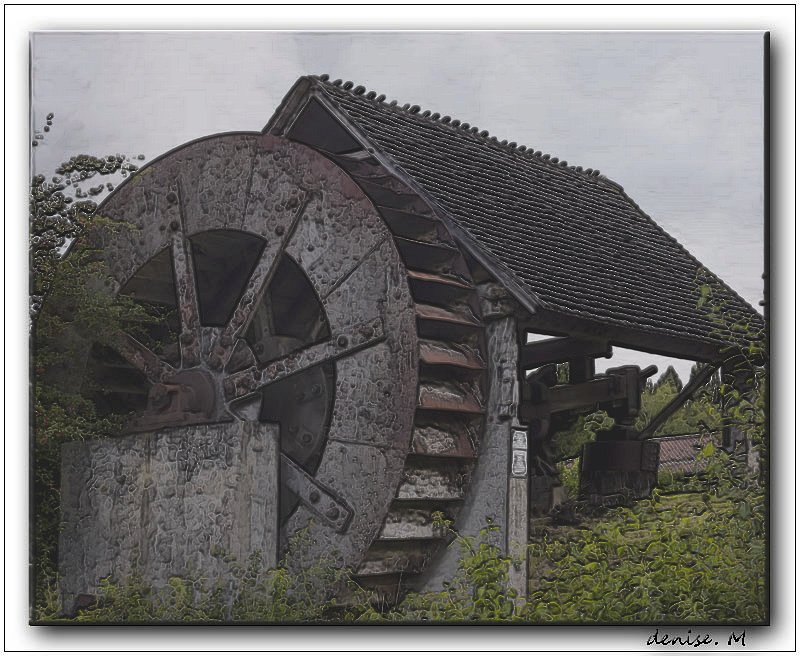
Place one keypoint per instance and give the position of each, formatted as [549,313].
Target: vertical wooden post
[518,498]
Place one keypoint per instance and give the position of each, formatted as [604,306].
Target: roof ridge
[435,117]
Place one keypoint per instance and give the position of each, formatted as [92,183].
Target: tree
[61,210]
[60,213]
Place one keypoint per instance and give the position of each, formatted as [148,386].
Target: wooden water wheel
[313,295]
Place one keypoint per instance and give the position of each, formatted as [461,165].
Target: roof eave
[639,339]
[292,102]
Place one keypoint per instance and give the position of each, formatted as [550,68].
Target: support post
[699,379]
[518,513]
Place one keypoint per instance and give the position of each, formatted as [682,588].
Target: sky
[676,118]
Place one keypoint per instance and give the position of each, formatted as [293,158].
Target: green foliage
[60,211]
[569,474]
[679,557]
[80,311]
[742,391]
[567,443]
[682,557]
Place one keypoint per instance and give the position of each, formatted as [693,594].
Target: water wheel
[311,293]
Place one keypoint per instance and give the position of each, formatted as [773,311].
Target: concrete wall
[164,504]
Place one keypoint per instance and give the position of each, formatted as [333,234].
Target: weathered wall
[161,504]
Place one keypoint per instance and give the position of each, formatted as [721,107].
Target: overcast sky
[675,117]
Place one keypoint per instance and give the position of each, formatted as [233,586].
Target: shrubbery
[682,556]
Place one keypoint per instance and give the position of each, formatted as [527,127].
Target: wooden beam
[670,345]
[561,349]
[695,383]
[581,370]
[620,384]
[571,397]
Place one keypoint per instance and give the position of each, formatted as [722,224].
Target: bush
[684,557]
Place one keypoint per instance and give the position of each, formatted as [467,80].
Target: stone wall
[167,503]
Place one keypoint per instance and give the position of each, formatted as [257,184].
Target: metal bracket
[316,497]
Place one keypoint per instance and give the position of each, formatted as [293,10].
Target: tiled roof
[573,238]
[679,453]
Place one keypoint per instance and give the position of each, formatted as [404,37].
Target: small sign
[519,464]
[519,439]
[519,452]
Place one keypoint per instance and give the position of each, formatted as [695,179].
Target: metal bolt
[174,225]
[307,438]
[341,342]
[332,513]
[279,230]
[314,496]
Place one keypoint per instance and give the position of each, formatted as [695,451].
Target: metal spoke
[186,290]
[242,384]
[141,357]
[254,291]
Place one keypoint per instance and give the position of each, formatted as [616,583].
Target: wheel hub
[188,397]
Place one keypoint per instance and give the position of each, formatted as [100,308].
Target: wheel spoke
[242,384]
[188,306]
[254,291]
[141,357]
